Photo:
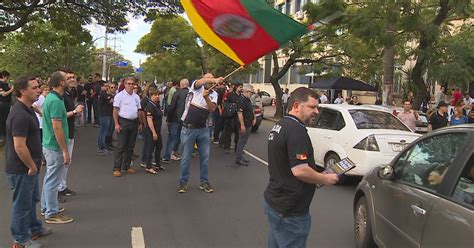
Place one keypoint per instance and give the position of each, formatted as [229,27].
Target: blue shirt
[462,120]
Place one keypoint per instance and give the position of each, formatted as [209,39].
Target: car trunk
[393,142]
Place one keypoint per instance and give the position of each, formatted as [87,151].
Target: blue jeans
[189,136]
[63,184]
[105,122]
[25,197]
[147,150]
[173,139]
[287,231]
[52,179]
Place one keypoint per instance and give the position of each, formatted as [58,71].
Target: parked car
[267,99]
[423,198]
[368,136]
[258,112]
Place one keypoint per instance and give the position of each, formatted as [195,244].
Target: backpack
[230,109]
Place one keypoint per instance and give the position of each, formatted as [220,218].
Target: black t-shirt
[88,87]
[154,110]
[69,104]
[288,146]
[438,121]
[106,104]
[80,96]
[244,105]
[4,87]
[22,122]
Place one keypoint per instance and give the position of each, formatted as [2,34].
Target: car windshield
[372,119]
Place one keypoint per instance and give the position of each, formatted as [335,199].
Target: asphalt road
[106,208]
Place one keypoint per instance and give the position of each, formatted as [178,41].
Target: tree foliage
[42,47]
[113,14]
[113,71]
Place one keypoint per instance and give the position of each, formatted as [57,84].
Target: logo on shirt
[302,156]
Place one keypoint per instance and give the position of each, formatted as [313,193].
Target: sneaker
[182,188]
[246,161]
[59,218]
[175,157]
[206,187]
[153,163]
[28,244]
[143,164]
[60,210]
[117,173]
[215,142]
[160,167]
[166,161]
[103,152]
[61,198]
[227,151]
[242,162]
[67,192]
[44,232]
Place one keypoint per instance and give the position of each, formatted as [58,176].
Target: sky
[126,42]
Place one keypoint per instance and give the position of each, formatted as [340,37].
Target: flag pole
[228,75]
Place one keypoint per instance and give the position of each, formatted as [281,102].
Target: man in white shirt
[199,103]
[468,101]
[128,118]
[408,116]
[284,100]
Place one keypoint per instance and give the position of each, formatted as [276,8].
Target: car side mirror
[386,172]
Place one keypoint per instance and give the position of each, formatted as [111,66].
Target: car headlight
[368,144]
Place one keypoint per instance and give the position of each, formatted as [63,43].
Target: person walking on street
[55,149]
[408,116]
[22,165]
[439,118]
[293,175]
[284,100]
[5,101]
[154,118]
[231,122]
[246,121]
[128,118]
[175,124]
[88,88]
[96,88]
[106,100]
[72,113]
[199,103]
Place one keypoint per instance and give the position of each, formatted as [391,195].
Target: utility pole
[104,57]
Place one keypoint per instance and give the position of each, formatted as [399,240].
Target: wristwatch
[74,112]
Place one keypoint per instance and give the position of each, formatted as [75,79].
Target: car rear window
[372,119]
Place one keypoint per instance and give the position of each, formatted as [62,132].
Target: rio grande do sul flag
[243,30]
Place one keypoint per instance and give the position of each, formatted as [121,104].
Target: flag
[243,30]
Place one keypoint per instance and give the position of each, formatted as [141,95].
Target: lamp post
[104,58]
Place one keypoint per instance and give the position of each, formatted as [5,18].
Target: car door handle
[417,210]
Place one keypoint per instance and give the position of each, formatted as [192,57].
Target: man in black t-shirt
[5,101]
[293,174]
[88,88]
[23,160]
[246,121]
[439,118]
[72,113]
[106,101]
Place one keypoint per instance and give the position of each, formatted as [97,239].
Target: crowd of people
[41,125]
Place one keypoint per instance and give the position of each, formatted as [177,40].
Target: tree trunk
[426,41]
[276,75]
[388,68]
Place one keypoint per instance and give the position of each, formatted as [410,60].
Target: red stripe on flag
[248,49]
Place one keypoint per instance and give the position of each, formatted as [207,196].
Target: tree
[40,48]
[112,14]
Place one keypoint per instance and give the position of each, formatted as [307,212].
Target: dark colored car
[423,198]
[258,112]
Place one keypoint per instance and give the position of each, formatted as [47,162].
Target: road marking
[138,241]
[256,158]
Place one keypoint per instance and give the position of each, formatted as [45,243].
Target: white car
[266,98]
[368,136]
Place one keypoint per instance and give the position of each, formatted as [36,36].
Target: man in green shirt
[55,134]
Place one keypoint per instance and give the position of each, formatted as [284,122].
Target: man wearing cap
[439,118]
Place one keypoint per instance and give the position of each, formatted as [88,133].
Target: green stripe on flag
[281,27]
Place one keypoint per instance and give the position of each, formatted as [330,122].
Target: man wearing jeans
[199,103]
[106,100]
[55,150]
[175,111]
[246,121]
[23,161]
[129,118]
[293,173]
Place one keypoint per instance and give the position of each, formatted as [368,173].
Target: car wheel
[332,159]
[362,225]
